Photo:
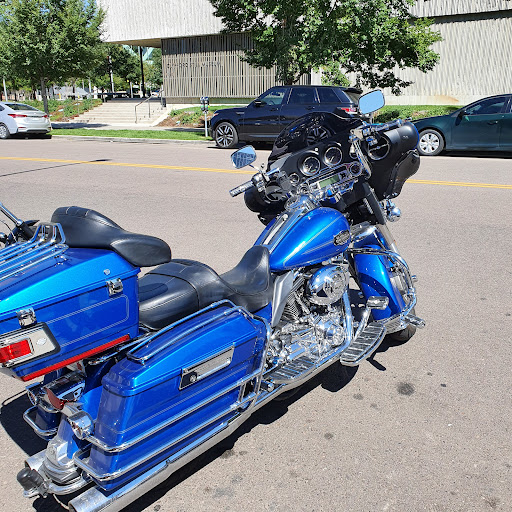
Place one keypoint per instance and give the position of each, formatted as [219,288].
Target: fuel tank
[298,239]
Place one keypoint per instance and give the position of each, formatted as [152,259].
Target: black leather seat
[89,229]
[182,287]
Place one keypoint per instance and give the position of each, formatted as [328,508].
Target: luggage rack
[48,242]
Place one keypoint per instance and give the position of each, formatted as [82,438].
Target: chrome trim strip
[141,460]
[206,367]
[124,446]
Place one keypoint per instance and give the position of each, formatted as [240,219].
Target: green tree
[124,63]
[50,40]
[153,71]
[333,75]
[366,37]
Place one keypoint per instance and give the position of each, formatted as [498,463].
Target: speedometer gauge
[332,156]
[310,165]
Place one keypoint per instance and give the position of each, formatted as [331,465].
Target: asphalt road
[427,426]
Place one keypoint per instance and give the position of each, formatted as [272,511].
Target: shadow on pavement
[55,167]
[11,418]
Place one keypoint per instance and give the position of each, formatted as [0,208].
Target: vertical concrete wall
[475,61]
[211,66]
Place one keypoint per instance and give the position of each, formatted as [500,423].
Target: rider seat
[182,287]
[86,228]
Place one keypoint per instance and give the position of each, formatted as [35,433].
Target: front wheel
[4,132]
[431,143]
[226,136]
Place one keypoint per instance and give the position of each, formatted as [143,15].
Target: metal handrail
[147,100]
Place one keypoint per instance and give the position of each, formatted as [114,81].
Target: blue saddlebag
[175,392]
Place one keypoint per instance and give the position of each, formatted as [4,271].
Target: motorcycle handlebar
[369,130]
[380,128]
[241,188]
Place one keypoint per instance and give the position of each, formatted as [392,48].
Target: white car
[21,118]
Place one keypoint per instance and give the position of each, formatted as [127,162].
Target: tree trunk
[44,95]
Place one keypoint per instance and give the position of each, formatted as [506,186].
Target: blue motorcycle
[138,376]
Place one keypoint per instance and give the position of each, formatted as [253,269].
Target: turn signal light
[15,350]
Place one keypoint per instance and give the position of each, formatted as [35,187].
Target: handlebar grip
[241,188]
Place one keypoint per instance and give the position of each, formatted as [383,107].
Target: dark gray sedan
[485,125]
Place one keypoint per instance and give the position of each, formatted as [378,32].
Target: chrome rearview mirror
[243,157]
[371,101]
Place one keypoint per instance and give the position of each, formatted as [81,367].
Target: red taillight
[17,115]
[15,350]
[350,110]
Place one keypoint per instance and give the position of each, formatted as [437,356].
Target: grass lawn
[132,134]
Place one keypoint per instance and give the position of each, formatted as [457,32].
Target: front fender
[373,275]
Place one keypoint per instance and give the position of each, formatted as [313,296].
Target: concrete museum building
[198,60]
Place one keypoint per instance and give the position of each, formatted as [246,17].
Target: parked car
[265,117]
[485,125]
[21,118]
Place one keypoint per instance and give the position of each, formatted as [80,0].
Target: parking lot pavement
[425,426]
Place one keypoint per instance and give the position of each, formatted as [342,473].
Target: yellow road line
[234,171]
[124,164]
[460,184]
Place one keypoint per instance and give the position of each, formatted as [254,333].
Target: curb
[127,139]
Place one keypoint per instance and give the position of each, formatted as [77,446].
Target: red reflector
[72,360]
[55,400]
[17,115]
[15,350]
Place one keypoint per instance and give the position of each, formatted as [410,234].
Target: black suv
[265,117]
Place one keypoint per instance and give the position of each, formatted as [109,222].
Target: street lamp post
[143,87]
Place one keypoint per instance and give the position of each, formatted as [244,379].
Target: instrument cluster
[323,165]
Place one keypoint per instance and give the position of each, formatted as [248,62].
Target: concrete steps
[122,111]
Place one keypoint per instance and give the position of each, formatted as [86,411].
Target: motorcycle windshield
[309,129]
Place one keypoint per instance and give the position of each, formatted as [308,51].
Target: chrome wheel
[431,143]
[4,132]
[226,135]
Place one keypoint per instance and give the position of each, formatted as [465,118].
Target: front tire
[4,132]
[404,335]
[226,136]
[431,142]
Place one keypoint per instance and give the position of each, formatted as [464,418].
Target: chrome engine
[313,320]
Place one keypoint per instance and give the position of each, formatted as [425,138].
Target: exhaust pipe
[99,500]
